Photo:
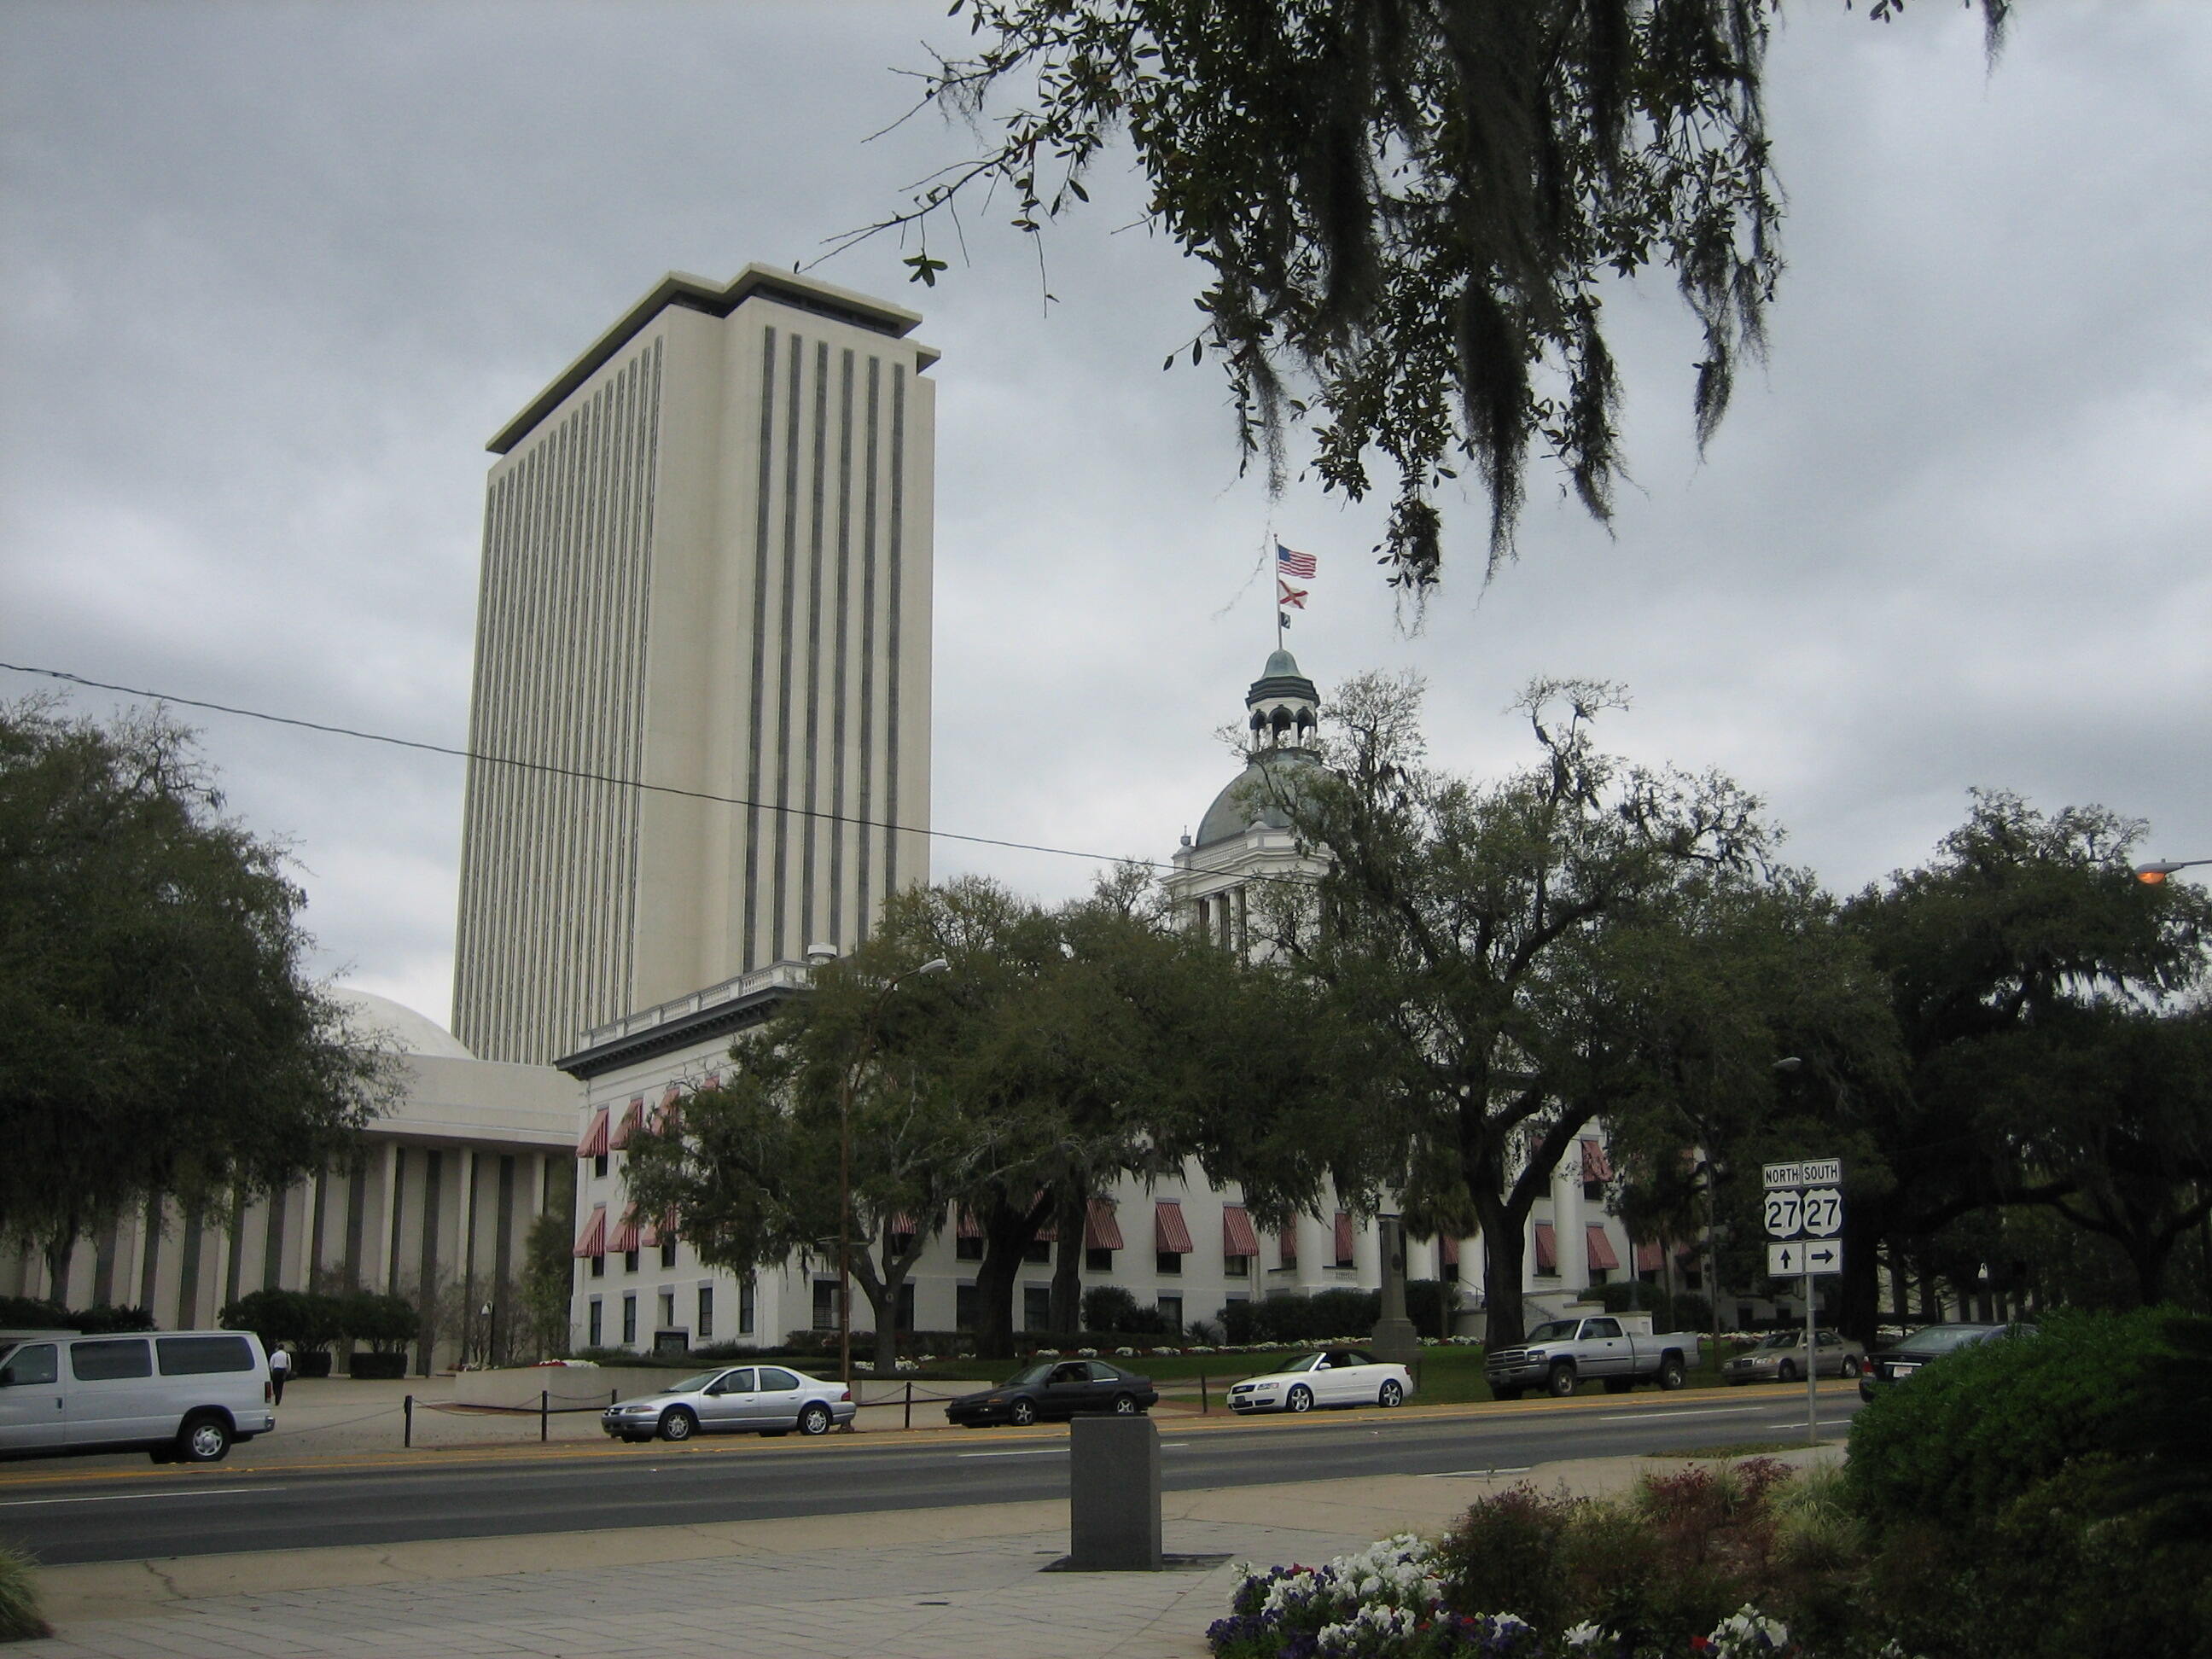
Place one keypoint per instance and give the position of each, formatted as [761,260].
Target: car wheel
[1299,1400]
[679,1423]
[1392,1394]
[1851,1365]
[203,1439]
[1125,1404]
[815,1419]
[1561,1381]
[1671,1374]
[1505,1391]
[1786,1372]
[1022,1412]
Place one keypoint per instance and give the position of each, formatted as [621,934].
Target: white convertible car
[1334,1377]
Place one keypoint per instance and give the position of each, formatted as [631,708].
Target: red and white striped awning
[632,1120]
[1101,1232]
[625,1237]
[1288,1241]
[1170,1233]
[1450,1250]
[1600,1249]
[1548,1248]
[1343,1238]
[594,1143]
[1596,1166]
[592,1241]
[966,1226]
[1237,1238]
[1650,1258]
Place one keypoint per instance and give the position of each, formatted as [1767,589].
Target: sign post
[1804,1207]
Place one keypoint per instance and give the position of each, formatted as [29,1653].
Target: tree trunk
[1504,1258]
[1859,1307]
[1072,1210]
[61,1256]
[1007,1234]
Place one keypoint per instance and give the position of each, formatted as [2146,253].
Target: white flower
[1583,1637]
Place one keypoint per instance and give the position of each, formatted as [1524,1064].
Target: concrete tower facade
[707,567]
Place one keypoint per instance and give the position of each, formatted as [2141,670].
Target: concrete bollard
[1114,1495]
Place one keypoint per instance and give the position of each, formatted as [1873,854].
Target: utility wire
[576,772]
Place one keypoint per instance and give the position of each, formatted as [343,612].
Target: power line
[576,772]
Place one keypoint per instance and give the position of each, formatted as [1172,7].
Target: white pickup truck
[1559,1356]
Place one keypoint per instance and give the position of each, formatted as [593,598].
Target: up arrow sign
[1785,1261]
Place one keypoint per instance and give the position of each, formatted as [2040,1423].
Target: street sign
[1811,1172]
[1824,1212]
[1803,1256]
[1784,1213]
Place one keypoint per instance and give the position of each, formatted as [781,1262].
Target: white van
[181,1395]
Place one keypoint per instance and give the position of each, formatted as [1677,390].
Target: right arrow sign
[1823,1256]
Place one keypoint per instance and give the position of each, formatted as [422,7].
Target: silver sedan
[737,1399]
[1780,1357]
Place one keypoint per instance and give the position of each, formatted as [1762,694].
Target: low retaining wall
[570,1386]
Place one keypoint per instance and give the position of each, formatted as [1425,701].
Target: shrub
[386,1323]
[28,1313]
[1967,1435]
[385,1367]
[1430,1303]
[101,1318]
[19,1600]
[1509,1554]
[306,1322]
[1292,1316]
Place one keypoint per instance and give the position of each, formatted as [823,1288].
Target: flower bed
[1386,1601]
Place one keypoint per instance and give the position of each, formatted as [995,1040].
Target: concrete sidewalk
[952,1583]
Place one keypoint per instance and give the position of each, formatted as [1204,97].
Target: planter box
[382,1366]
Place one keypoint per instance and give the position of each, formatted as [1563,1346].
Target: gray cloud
[273,273]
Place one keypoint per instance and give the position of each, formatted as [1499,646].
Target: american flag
[1291,563]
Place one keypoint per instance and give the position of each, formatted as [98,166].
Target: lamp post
[847,1084]
[2154,875]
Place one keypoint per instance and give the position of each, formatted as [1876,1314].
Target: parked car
[1779,1357]
[1558,1354]
[1053,1389]
[764,1400]
[181,1396]
[1890,1366]
[1334,1377]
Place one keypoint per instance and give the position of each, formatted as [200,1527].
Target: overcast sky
[274,272]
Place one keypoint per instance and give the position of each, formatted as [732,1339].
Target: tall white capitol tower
[705,568]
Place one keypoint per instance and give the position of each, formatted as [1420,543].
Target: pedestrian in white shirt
[279,1367]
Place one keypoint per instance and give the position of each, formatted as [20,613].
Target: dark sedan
[1931,1342]
[1056,1389]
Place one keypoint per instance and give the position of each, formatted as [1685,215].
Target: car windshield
[1782,1339]
[1558,1330]
[1942,1338]
[1033,1377]
[692,1384]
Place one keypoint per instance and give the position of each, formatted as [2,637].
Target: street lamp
[847,1084]
[2154,875]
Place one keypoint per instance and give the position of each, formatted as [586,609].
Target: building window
[593,1317]
[667,1310]
[1168,1262]
[1037,1250]
[967,1249]
[825,1304]
[1171,1307]
[964,1307]
[598,1266]
[599,1166]
[1594,1191]
[1236,1266]
[630,1320]
[629,1261]
[1097,1261]
[667,1253]
[1036,1307]
[1597,1275]
[903,1318]
[745,1307]
[706,1321]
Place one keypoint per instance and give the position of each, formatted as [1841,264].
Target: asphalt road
[201,1511]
